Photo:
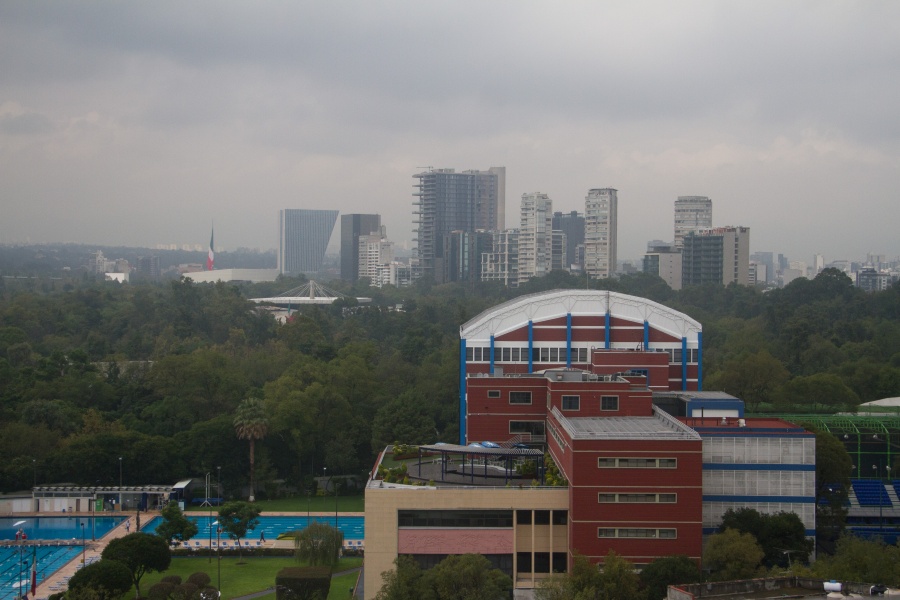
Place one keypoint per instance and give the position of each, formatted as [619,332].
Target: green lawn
[298,504]
[254,575]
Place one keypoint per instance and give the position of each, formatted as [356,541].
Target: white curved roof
[542,306]
[883,402]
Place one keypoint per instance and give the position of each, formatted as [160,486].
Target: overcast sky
[139,123]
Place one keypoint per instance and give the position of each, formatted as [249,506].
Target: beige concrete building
[511,526]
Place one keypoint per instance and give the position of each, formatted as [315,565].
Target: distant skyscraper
[767,259]
[303,237]
[720,255]
[462,254]
[352,227]
[571,224]
[663,260]
[449,201]
[600,239]
[818,264]
[535,236]
[692,213]
[502,262]
[375,252]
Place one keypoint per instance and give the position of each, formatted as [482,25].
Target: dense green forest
[155,373]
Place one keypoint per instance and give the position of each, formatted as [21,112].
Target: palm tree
[250,423]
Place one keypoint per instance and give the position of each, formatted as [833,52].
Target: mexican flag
[210,257]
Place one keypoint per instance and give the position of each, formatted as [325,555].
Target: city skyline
[130,124]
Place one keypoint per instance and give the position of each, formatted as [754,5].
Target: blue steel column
[569,340]
[700,361]
[530,347]
[462,392]
[608,330]
[646,335]
[684,363]
[492,354]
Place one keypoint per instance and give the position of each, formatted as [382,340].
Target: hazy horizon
[142,123]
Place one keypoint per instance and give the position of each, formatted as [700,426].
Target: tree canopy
[141,553]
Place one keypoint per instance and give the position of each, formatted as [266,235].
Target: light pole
[83,545]
[210,515]
[219,558]
[121,506]
[219,484]
[21,554]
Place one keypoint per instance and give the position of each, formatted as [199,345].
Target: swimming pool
[16,563]
[57,528]
[352,527]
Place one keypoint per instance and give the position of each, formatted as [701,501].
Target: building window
[560,517]
[520,397]
[606,533]
[493,393]
[505,353]
[455,518]
[637,463]
[636,532]
[609,403]
[607,498]
[545,355]
[571,402]
[529,427]
[542,517]
[523,517]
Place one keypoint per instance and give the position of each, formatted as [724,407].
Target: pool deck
[57,582]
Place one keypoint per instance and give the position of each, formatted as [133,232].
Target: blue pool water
[15,564]
[57,528]
[352,527]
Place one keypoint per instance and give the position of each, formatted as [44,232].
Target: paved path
[92,551]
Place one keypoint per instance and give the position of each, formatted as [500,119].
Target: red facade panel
[550,335]
[516,335]
[660,336]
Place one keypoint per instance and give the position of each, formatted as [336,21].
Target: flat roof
[694,395]
[732,425]
[658,427]
[458,449]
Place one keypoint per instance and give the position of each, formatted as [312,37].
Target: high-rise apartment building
[535,236]
[692,213]
[374,252]
[449,201]
[352,227]
[600,225]
[502,262]
[720,255]
[303,237]
[462,254]
[571,224]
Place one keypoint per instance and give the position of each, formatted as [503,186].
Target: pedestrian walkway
[58,581]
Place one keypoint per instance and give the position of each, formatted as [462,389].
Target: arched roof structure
[559,303]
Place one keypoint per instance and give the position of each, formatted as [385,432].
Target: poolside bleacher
[871,492]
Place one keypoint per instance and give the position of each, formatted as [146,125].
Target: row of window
[455,518]
[637,463]
[542,562]
[637,532]
[637,498]
[506,354]
[606,403]
[542,517]
[555,355]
